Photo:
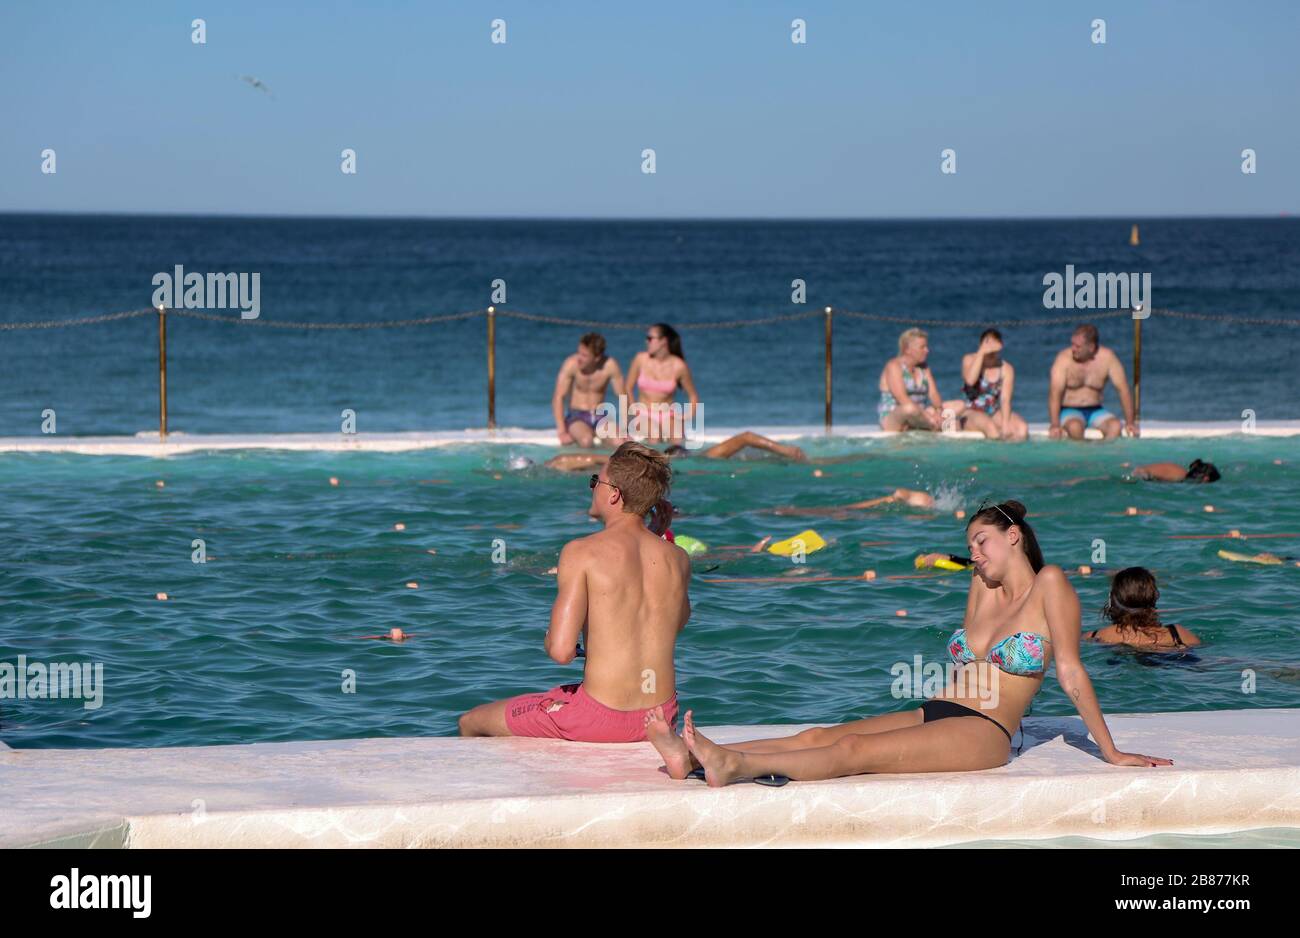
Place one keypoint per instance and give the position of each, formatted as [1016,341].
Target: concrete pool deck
[148,444]
[1233,770]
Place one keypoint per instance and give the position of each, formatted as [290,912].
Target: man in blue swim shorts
[1078,383]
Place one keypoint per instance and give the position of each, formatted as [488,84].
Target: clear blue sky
[744,122]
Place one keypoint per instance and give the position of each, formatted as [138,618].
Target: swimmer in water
[1131,611]
[1197,471]
[583,378]
[909,497]
[1022,618]
[573,462]
[656,374]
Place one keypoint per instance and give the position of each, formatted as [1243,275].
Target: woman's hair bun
[1015,509]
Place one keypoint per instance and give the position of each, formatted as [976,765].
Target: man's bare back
[634,586]
[622,591]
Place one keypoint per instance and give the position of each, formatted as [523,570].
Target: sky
[743,122]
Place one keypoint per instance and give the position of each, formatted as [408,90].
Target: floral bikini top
[1021,653]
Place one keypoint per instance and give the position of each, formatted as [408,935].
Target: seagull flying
[256,83]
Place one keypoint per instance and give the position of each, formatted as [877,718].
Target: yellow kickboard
[1268,559]
[809,540]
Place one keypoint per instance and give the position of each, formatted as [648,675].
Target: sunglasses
[597,480]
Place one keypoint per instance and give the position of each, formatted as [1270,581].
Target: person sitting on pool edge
[1022,612]
[1131,610]
[1197,471]
[584,378]
[909,398]
[623,590]
[572,462]
[1077,385]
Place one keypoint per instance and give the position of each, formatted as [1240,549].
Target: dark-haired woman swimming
[1131,611]
[1020,615]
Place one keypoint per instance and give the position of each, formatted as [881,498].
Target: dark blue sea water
[225,378]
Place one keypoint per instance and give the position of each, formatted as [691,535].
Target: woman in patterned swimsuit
[909,399]
[989,381]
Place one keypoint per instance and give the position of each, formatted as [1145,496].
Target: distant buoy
[1234,533]
[1133,237]
[334,480]
[868,574]
[399,527]
[161,596]
[160,483]
[432,551]
[974,468]
[902,613]
[959,514]
[1130,510]
[1085,570]
[817,473]
[412,585]
[1209,508]
[397,635]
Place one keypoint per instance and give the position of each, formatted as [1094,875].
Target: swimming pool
[255,644]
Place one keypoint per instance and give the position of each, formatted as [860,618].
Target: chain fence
[491,314]
[1075,317]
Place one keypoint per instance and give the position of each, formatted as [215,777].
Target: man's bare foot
[677,758]
[721,766]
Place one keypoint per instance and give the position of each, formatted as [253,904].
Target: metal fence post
[492,366]
[828,370]
[162,372]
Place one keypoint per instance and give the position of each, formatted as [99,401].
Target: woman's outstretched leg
[959,744]
[679,762]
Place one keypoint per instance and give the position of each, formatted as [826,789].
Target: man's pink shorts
[580,718]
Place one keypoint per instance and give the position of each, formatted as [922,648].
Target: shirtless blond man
[1078,383]
[623,591]
[583,379]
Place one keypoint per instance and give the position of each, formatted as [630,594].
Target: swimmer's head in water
[996,534]
[641,475]
[520,462]
[1132,601]
[1202,472]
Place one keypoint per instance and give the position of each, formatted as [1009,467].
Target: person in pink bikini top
[656,374]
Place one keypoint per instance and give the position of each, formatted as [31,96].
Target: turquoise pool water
[253,645]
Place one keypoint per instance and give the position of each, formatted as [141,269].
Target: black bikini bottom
[942,709]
